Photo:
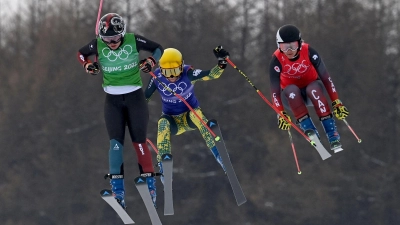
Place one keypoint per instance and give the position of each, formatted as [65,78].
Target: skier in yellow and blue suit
[176,117]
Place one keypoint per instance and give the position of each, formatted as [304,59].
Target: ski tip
[338,150]
[241,202]
[326,157]
[105,192]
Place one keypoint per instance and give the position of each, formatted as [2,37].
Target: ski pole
[294,152]
[352,131]
[269,103]
[152,145]
[216,138]
[97,24]
[98,18]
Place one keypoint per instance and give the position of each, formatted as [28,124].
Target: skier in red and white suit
[299,79]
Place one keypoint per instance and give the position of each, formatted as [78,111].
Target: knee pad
[166,120]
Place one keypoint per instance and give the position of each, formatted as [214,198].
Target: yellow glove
[282,123]
[339,110]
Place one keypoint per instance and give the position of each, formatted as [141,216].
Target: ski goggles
[112,39]
[173,72]
[284,47]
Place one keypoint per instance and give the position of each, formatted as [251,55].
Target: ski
[167,166]
[318,145]
[336,150]
[109,198]
[141,186]
[230,172]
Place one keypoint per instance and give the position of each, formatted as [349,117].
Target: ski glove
[221,55]
[92,68]
[147,64]
[339,110]
[282,123]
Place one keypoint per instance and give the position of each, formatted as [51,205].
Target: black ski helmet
[288,33]
[111,24]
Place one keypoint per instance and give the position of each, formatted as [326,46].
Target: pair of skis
[167,164]
[141,185]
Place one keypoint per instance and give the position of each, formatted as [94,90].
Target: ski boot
[118,191]
[331,132]
[306,124]
[151,184]
[215,152]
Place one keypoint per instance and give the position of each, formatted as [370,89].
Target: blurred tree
[54,142]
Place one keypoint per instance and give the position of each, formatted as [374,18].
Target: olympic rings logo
[176,88]
[295,68]
[113,55]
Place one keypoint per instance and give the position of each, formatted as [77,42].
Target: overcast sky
[7,6]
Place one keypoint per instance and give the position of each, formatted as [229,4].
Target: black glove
[221,55]
[146,65]
[93,68]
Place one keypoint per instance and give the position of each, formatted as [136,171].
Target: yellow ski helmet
[171,63]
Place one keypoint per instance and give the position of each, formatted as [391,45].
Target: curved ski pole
[270,104]
[216,138]
[152,145]
[97,23]
[294,152]
[98,18]
[352,131]
[167,165]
